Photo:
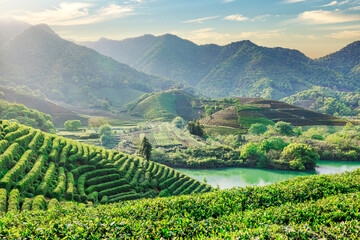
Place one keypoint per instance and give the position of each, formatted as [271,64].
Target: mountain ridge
[240,68]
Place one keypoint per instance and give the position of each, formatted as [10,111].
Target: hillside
[39,59]
[316,207]
[9,28]
[58,114]
[267,112]
[165,106]
[346,61]
[237,69]
[328,101]
[36,167]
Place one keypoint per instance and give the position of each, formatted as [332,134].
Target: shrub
[72,125]
[33,174]
[69,195]
[53,204]
[26,206]
[60,188]
[274,143]
[44,186]
[3,200]
[14,200]
[284,128]
[257,129]
[39,203]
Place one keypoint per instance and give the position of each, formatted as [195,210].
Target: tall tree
[145,148]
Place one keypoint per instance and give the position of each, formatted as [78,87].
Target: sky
[316,28]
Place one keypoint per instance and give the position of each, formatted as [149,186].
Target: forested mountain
[39,59]
[326,100]
[237,69]
[345,61]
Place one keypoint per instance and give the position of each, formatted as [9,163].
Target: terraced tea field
[160,134]
[39,170]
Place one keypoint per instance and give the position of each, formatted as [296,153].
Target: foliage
[72,125]
[179,122]
[300,156]
[325,206]
[196,128]
[55,167]
[26,116]
[96,122]
[257,129]
[327,100]
[274,143]
[238,69]
[284,128]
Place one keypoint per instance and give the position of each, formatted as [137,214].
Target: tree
[96,122]
[274,143]
[178,122]
[196,128]
[106,140]
[252,153]
[284,128]
[72,125]
[257,129]
[300,156]
[105,130]
[145,148]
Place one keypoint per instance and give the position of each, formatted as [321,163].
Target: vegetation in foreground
[36,167]
[325,206]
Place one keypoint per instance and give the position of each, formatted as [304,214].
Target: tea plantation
[39,170]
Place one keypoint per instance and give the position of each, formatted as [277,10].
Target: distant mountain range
[37,58]
[61,70]
[237,69]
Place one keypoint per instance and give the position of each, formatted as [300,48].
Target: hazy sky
[315,27]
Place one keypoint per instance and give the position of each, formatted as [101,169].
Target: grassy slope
[37,164]
[166,105]
[320,207]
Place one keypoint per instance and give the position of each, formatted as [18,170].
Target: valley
[159,137]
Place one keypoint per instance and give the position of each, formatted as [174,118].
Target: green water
[241,177]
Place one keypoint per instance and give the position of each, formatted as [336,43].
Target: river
[241,177]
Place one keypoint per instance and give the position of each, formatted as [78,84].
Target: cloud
[345,35]
[74,13]
[260,34]
[200,20]
[326,17]
[236,17]
[202,30]
[228,1]
[292,1]
[333,3]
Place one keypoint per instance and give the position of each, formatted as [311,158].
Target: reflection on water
[241,177]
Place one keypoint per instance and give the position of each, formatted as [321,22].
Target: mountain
[237,69]
[346,61]
[9,28]
[39,59]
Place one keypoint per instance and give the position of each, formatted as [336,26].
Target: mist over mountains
[120,71]
[61,70]
[237,69]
